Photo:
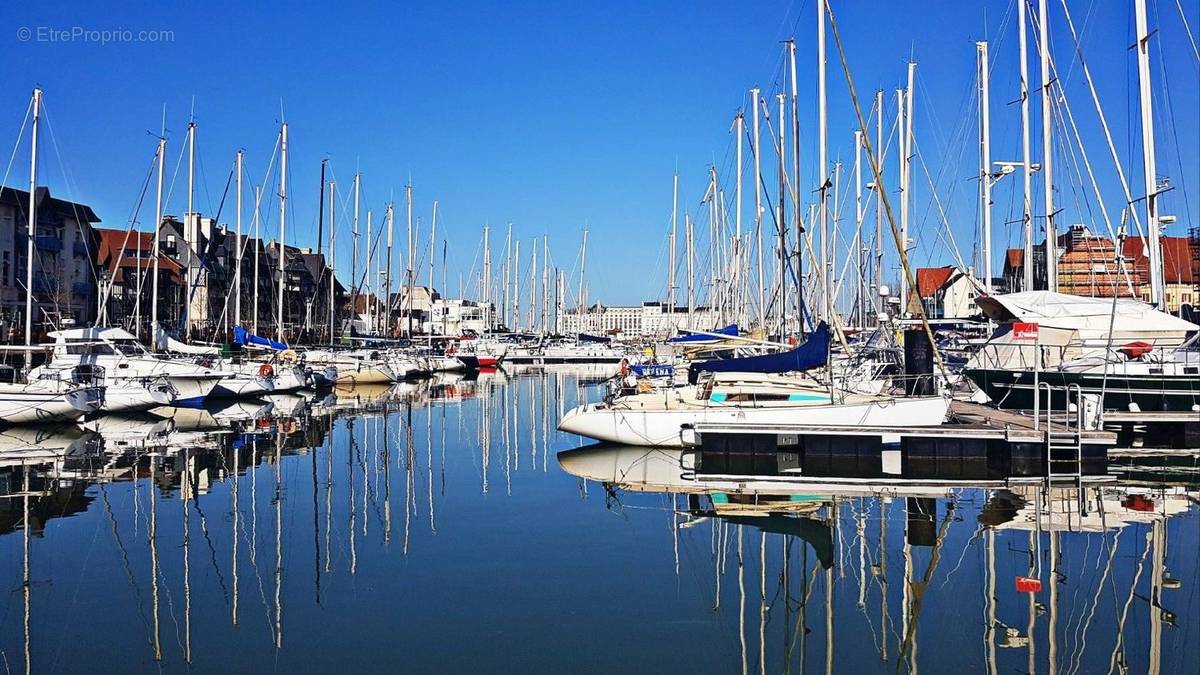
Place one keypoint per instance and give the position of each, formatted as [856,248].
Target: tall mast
[823,162]
[1026,167]
[367,285]
[691,269]
[504,316]
[582,267]
[860,307]
[906,195]
[560,289]
[671,246]
[737,283]
[797,216]
[332,261]
[190,230]
[985,161]
[1047,148]
[433,248]
[237,269]
[757,149]
[257,255]
[532,283]
[283,155]
[545,279]
[516,277]
[321,209]
[902,153]
[487,274]
[782,271]
[390,215]
[1149,170]
[354,287]
[411,255]
[879,202]
[31,227]
[162,152]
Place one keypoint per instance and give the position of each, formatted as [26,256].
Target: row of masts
[740,295]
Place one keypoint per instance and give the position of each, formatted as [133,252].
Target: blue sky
[555,115]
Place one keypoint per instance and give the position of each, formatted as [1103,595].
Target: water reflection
[1103,551]
[427,526]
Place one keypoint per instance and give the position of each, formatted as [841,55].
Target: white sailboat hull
[662,427]
[35,404]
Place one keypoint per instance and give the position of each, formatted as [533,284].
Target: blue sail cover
[812,354]
[243,337]
[602,339]
[730,330]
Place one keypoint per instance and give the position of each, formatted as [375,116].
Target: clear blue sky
[553,115]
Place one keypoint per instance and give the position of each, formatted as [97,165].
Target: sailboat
[757,390]
[53,396]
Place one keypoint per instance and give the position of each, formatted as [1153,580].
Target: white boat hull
[662,427]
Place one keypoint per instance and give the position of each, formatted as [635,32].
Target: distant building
[947,292]
[64,280]
[125,266]
[649,319]
[1088,265]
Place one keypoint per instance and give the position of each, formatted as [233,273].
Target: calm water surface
[432,527]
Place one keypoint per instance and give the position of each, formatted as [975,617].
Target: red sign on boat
[1024,332]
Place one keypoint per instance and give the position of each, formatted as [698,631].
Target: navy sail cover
[243,337]
[812,354]
[730,330]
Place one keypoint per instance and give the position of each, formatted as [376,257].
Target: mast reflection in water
[444,525]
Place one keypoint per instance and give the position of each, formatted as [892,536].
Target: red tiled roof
[1177,258]
[1013,257]
[110,248]
[930,279]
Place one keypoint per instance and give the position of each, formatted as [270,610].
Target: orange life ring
[265,370]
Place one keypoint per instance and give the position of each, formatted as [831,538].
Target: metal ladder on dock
[1064,445]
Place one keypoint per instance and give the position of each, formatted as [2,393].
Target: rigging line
[1188,30]
[1169,122]
[16,146]
[70,184]
[876,170]
[941,211]
[1103,122]
[132,222]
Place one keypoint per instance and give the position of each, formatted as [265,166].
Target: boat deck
[968,421]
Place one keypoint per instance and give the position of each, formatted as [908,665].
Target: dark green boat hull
[1013,389]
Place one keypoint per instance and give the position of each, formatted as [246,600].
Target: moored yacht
[127,363]
[770,389]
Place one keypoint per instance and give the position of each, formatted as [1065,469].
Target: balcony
[47,243]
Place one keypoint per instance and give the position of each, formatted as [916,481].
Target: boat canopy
[731,330]
[812,354]
[602,339]
[1130,320]
[245,338]
[169,344]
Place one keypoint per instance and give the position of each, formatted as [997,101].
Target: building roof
[1014,257]
[931,279]
[59,207]
[112,243]
[1177,258]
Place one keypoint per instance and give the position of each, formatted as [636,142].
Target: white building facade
[647,320]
